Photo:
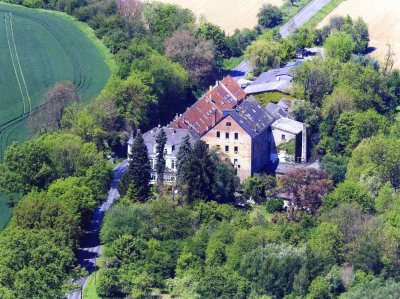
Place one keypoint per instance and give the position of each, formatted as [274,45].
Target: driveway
[90,244]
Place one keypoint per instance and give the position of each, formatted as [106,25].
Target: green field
[38,49]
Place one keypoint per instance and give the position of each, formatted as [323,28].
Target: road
[90,244]
[302,17]
[297,21]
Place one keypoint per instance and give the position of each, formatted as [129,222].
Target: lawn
[89,292]
[38,49]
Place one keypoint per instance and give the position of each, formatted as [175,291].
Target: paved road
[302,17]
[297,21]
[90,245]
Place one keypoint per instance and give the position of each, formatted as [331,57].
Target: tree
[51,108]
[349,192]
[199,173]
[26,166]
[195,54]
[161,140]
[139,169]
[259,187]
[306,187]
[215,34]
[335,167]
[185,150]
[269,16]
[339,45]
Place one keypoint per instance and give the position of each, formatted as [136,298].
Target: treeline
[61,179]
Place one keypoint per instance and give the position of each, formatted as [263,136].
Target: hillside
[37,50]
[228,14]
[382,20]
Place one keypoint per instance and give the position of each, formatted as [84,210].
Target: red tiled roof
[207,111]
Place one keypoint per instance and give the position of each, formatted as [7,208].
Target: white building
[174,139]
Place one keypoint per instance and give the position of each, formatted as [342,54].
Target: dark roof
[284,168]
[207,111]
[275,110]
[174,137]
[251,116]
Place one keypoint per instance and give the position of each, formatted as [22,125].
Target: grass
[37,49]
[320,15]
[232,62]
[291,10]
[89,292]
[274,97]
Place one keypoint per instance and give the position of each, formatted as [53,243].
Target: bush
[274,205]
[269,16]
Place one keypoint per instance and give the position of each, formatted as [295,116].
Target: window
[228,124]
[153,177]
[236,136]
[236,149]
[165,152]
[172,164]
[235,162]
[218,134]
[153,163]
[227,148]
[283,137]
[227,135]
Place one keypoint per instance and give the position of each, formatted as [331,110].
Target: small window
[283,137]
[228,124]
[236,136]
[165,152]
[218,134]
[235,162]
[227,148]
[227,135]
[236,149]
[153,177]
[172,164]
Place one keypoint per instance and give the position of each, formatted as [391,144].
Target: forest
[338,235]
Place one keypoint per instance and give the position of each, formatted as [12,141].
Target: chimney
[214,117]
[304,144]
[211,87]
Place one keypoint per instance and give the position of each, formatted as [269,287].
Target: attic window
[228,124]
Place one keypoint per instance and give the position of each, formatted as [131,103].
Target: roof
[288,125]
[275,110]
[274,80]
[284,168]
[283,86]
[251,116]
[174,138]
[207,111]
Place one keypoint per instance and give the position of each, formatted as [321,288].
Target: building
[254,138]
[243,135]
[274,80]
[208,110]
[174,140]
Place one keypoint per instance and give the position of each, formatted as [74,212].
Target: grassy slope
[51,47]
[89,292]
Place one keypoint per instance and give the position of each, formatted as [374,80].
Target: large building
[238,128]
[174,140]
[243,135]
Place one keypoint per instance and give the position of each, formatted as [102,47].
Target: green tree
[259,187]
[339,46]
[215,34]
[199,173]
[185,149]
[336,167]
[269,16]
[161,141]
[139,169]
[349,192]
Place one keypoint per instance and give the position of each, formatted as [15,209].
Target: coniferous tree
[199,174]
[161,140]
[184,152]
[139,170]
